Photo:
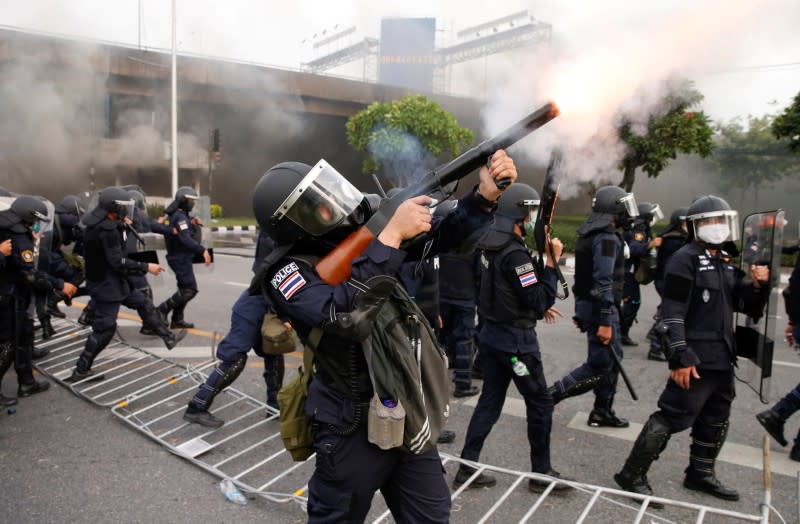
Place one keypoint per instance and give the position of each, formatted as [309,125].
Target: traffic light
[216,140]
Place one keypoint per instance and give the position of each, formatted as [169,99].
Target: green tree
[673,130]
[404,136]
[787,125]
[749,157]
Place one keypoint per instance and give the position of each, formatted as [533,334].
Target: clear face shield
[716,227]
[191,200]
[629,201]
[657,215]
[125,208]
[321,201]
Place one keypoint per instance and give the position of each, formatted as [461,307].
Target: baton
[618,364]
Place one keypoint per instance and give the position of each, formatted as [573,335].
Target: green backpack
[295,426]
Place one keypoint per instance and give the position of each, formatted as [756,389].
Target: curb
[222,229]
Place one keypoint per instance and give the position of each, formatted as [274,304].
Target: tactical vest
[499,302]
[457,276]
[94,254]
[584,269]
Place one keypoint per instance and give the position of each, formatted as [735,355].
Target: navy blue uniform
[512,297]
[637,239]
[421,280]
[18,278]
[701,293]
[181,250]
[107,272]
[349,469]
[459,278]
[598,291]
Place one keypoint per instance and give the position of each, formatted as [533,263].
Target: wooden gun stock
[335,267]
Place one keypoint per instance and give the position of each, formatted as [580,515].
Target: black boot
[147,331]
[171,340]
[628,341]
[578,388]
[202,417]
[481,481]
[649,444]
[52,306]
[468,391]
[773,423]
[89,376]
[707,440]
[96,342]
[47,328]
[656,354]
[177,303]
[603,415]
[37,353]
[26,390]
[446,437]
[180,324]
[221,377]
[86,317]
[538,486]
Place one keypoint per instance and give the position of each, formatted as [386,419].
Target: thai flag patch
[291,285]
[526,275]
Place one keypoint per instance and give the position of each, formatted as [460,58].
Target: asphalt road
[65,460]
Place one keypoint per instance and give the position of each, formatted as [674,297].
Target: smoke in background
[620,66]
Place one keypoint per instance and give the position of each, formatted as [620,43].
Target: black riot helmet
[649,213]
[72,205]
[31,210]
[115,200]
[614,200]
[678,217]
[711,220]
[518,201]
[138,199]
[185,198]
[293,200]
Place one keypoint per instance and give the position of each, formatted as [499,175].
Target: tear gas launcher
[335,267]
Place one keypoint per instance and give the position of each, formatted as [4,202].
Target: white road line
[787,364]
[203,352]
[238,284]
[739,454]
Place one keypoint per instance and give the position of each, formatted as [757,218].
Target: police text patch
[526,275]
[288,280]
[183,226]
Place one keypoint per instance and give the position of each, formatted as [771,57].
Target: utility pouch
[385,425]
[275,338]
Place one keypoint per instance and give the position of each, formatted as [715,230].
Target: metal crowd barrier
[150,394]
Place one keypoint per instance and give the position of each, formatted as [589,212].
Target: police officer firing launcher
[308,213]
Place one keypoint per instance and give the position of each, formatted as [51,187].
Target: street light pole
[174,105]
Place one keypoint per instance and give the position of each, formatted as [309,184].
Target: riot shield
[762,237]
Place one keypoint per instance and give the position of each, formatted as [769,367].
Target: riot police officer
[19,278]
[349,469]
[182,247]
[702,289]
[668,242]
[247,316]
[514,294]
[107,271]
[598,285]
[639,241]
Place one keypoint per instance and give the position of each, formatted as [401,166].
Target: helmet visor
[125,208]
[728,217]
[321,201]
[629,201]
[657,215]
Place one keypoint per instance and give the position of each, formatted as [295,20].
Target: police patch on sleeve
[27,256]
[527,277]
[288,280]
[183,225]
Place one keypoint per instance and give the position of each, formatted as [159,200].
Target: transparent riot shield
[762,237]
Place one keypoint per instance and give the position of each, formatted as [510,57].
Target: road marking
[787,364]
[239,284]
[739,454]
